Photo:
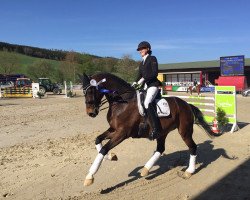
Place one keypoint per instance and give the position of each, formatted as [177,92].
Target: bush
[40,94]
[221,117]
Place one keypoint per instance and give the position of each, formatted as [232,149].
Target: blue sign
[207,89]
[232,65]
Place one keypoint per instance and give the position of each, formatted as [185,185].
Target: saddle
[160,103]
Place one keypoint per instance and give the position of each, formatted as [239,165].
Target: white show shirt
[144,58]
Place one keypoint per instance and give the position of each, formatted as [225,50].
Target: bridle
[94,101]
[101,90]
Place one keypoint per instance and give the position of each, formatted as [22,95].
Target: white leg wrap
[192,161]
[96,164]
[153,160]
[98,147]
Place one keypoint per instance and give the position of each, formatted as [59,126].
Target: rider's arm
[139,75]
[151,69]
[141,81]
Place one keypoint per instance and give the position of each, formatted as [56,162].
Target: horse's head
[92,96]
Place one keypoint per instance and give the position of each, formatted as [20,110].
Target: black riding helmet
[143,44]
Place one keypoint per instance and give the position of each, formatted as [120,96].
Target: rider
[148,71]
[194,84]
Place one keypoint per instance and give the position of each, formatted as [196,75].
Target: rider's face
[143,51]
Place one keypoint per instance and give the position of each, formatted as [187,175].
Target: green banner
[225,98]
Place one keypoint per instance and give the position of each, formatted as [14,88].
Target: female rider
[148,72]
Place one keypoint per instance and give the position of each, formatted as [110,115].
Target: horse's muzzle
[94,113]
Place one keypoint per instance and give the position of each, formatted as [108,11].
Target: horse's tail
[200,121]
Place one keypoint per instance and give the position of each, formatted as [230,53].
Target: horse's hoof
[112,157]
[184,175]
[88,182]
[144,171]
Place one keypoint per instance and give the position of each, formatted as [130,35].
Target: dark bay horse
[124,119]
[192,89]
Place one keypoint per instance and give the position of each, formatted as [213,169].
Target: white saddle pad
[163,109]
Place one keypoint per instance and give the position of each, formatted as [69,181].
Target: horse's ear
[79,76]
[85,79]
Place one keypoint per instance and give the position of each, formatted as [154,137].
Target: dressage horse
[124,119]
[192,89]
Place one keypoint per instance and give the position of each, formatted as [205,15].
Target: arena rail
[224,97]
[207,106]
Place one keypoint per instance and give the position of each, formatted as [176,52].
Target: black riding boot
[154,122]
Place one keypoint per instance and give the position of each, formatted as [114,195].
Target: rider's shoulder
[153,58]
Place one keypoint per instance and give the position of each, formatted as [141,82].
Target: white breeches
[151,93]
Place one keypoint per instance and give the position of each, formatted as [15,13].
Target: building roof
[194,65]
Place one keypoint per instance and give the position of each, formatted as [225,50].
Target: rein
[95,84]
[104,101]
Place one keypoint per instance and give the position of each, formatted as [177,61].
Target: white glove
[134,83]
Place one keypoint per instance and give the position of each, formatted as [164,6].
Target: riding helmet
[143,44]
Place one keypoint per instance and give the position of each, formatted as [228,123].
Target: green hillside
[23,61]
[60,65]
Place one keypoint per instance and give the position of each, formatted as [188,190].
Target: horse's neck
[118,86]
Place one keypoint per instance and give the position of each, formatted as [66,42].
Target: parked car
[23,82]
[6,84]
[45,85]
[246,92]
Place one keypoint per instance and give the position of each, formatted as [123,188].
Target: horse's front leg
[157,154]
[116,138]
[98,144]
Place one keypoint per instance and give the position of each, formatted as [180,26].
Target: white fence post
[71,86]
[65,87]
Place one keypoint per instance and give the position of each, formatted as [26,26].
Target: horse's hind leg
[159,150]
[186,134]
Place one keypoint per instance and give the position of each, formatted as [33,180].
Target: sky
[178,30]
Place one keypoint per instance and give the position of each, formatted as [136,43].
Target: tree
[40,68]
[69,66]
[127,67]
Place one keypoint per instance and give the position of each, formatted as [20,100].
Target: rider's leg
[151,112]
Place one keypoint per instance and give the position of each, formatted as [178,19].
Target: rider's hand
[137,86]
[134,83]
